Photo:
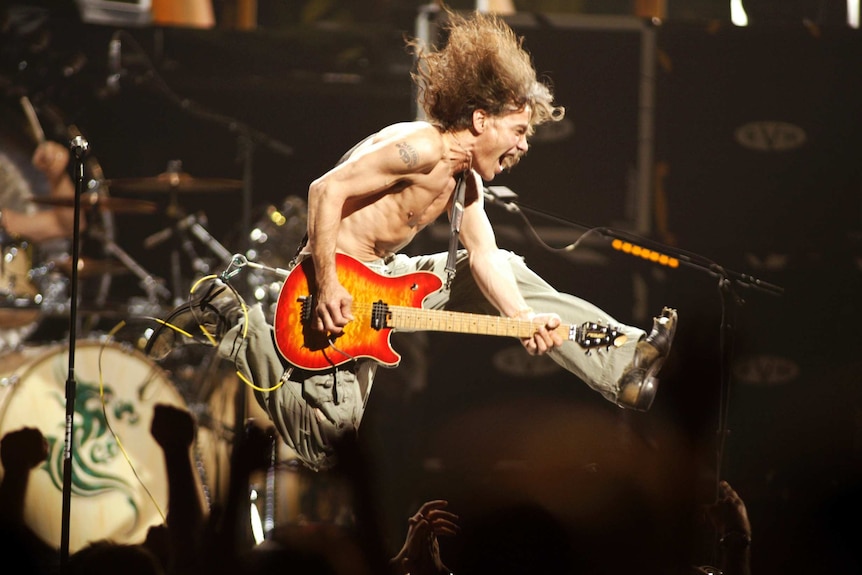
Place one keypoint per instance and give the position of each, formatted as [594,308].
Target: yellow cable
[111,333]
[256,388]
[245,379]
[172,326]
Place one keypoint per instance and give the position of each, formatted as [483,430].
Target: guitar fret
[458,322]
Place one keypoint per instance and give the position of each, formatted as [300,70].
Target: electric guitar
[385,303]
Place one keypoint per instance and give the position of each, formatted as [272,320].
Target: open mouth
[509,161]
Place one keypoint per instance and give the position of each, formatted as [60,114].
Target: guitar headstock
[591,335]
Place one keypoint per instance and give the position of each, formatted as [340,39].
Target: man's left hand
[545,338]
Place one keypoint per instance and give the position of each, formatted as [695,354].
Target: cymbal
[89,267]
[179,182]
[92,200]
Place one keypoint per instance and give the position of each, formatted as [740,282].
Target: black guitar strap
[455,230]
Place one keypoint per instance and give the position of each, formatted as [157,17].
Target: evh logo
[768,136]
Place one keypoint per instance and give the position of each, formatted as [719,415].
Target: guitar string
[428,316]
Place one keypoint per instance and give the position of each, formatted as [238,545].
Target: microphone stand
[509,203]
[79,147]
[728,281]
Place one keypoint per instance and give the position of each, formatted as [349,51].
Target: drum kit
[119,487]
[120,484]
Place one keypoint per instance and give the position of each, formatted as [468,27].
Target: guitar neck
[417,319]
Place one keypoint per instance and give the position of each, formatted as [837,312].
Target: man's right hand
[333,310]
[51,158]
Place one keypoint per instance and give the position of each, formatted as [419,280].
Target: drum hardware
[174,181]
[97,201]
[195,224]
[181,225]
[154,287]
[88,267]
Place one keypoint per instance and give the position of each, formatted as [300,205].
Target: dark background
[492,430]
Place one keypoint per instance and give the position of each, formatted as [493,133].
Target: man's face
[502,142]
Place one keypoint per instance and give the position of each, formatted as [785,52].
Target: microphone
[115,65]
[501,196]
[79,146]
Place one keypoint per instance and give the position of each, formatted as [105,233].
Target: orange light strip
[645,253]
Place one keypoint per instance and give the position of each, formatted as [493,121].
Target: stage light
[645,253]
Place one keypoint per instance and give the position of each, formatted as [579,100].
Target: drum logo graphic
[118,478]
[94,449]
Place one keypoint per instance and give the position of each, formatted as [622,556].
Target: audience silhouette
[517,538]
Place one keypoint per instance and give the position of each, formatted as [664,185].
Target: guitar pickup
[379,315]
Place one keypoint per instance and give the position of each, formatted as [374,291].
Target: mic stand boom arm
[508,201]
[650,250]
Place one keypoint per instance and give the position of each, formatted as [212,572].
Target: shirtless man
[482,100]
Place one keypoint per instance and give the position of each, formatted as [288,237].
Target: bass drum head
[117,492]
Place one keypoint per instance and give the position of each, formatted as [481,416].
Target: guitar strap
[455,229]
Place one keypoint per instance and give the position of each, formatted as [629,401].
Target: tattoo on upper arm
[408,154]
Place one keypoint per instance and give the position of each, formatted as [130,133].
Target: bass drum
[117,493]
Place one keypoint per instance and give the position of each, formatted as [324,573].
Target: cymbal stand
[203,236]
[152,285]
[247,140]
[178,229]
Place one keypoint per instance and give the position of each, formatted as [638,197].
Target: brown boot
[638,384]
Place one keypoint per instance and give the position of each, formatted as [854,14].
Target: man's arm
[374,170]
[51,159]
[494,276]
[326,198]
